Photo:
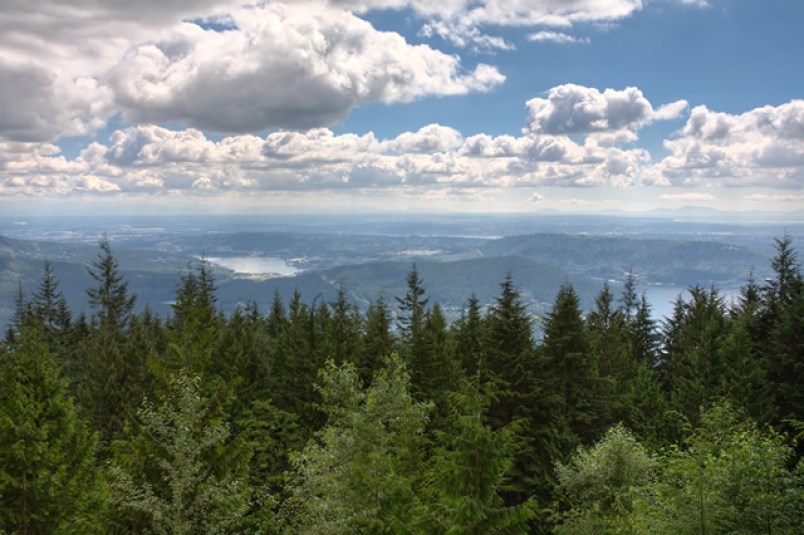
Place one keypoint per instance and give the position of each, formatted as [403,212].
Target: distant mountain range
[452,267]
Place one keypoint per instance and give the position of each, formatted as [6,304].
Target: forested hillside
[317,417]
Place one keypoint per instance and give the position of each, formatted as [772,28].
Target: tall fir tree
[570,373]
[104,387]
[50,308]
[412,308]
[510,367]
[48,479]
[378,342]
[692,365]
[781,330]
[468,333]
[196,326]
[110,298]
[470,468]
[342,330]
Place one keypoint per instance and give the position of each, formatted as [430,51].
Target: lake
[255,265]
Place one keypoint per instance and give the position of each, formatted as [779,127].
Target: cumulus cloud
[428,139]
[285,66]
[575,109]
[71,66]
[38,105]
[592,148]
[761,147]
[53,53]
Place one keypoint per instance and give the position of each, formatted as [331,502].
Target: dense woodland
[319,418]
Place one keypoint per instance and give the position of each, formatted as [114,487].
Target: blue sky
[401,105]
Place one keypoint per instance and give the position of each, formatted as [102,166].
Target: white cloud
[36,104]
[428,139]
[556,37]
[575,109]
[761,147]
[285,66]
[280,64]
[463,22]
[687,197]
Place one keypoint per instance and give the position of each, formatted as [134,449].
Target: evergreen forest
[322,418]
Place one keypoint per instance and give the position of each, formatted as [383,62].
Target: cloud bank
[576,137]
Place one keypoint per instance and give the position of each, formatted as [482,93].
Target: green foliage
[412,307]
[598,484]
[47,455]
[434,368]
[571,372]
[196,326]
[403,444]
[692,365]
[362,472]
[107,372]
[469,470]
[468,334]
[727,477]
[342,331]
[110,298]
[179,473]
[510,367]
[377,340]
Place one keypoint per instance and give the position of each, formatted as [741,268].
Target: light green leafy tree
[362,471]
[597,485]
[179,472]
[727,477]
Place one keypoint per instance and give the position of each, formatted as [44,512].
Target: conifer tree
[50,308]
[242,355]
[630,298]
[342,330]
[110,298]
[377,342]
[196,325]
[781,330]
[470,469]
[692,365]
[295,366]
[468,333]
[645,338]
[104,388]
[410,319]
[47,455]
[610,350]
[570,372]
[745,365]
[277,317]
[510,366]
[434,368]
